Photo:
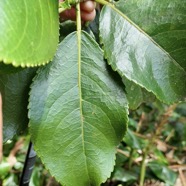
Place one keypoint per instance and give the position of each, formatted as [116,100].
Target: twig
[142,118]
[122,152]
[182,177]
[131,158]
[11,158]
[156,140]
[169,146]
[181,167]
[142,136]
[1,129]
[171,134]
[127,155]
[143,167]
[164,119]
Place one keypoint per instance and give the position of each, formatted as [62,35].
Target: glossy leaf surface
[83,104]
[29,31]
[14,89]
[137,55]
[164,22]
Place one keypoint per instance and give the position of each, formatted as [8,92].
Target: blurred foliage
[159,132]
[155,129]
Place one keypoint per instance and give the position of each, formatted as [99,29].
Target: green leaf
[181,109]
[124,175]
[29,31]
[66,27]
[134,141]
[7,69]
[94,26]
[14,89]
[10,180]
[78,114]
[136,95]
[35,178]
[138,56]
[4,169]
[164,22]
[160,156]
[163,172]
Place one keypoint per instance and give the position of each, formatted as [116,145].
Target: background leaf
[124,175]
[163,172]
[134,141]
[14,89]
[85,108]
[29,31]
[8,69]
[137,56]
[94,26]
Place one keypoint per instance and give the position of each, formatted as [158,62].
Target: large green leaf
[14,88]
[28,31]
[165,23]
[137,55]
[78,114]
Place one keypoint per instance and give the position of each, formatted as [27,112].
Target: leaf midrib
[78,20]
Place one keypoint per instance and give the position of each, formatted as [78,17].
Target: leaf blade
[14,88]
[163,172]
[165,25]
[136,56]
[88,133]
[29,32]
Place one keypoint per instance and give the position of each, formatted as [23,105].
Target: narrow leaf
[137,56]
[77,115]
[29,31]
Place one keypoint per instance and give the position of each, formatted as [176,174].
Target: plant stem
[131,158]
[1,129]
[164,119]
[122,152]
[182,177]
[137,131]
[155,135]
[78,21]
[143,167]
